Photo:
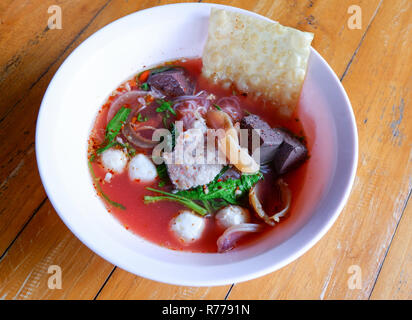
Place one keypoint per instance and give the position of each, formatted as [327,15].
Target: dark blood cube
[172,82]
[290,154]
[270,140]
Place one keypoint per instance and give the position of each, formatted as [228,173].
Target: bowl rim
[320,232]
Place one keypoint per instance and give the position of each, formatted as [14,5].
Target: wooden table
[371,239]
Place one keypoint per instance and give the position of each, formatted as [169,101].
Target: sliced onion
[231,106]
[126,98]
[286,196]
[201,105]
[232,100]
[191,109]
[136,138]
[200,95]
[228,239]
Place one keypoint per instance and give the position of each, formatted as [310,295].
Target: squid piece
[286,196]
[229,144]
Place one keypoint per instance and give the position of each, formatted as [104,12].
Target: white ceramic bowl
[146,38]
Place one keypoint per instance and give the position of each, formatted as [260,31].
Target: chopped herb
[112,130]
[173,197]
[220,193]
[144,86]
[175,134]
[165,106]
[216,204]
[107,146]
[161,69]
[217,107]
[140,118]
[114,126]
[161,184]
[162,171]
[99,189]
[230,190]
[130,149]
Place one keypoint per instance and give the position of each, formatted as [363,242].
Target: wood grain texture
[28,62]
[375,66]
[395,278]
[45,242]
[28,47]
[125,286]
[379,88]
[21,191]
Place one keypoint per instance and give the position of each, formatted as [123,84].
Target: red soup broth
[151,221]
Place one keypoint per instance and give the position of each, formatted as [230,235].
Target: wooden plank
[28,52]
[18,175]
[24,270]
[395,278]
[28,47]
[126,286]
[21,194]
[378,84]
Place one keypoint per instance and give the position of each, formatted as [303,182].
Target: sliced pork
[186,165]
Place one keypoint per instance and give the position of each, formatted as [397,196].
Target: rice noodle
[141,100]
[202,104]
[286,196]
[200,95]
[228,239]
[231,100]
[191,108]
[231,105]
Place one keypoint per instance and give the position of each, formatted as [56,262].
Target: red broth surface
[151,221]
